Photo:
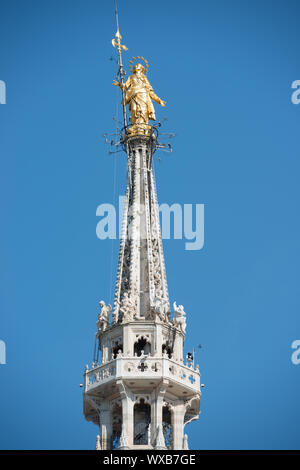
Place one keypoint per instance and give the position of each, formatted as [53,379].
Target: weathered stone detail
[141,287]
[140,392]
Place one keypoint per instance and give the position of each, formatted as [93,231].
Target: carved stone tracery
[141,253]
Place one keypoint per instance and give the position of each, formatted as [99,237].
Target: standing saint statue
[103,317]
[138,95]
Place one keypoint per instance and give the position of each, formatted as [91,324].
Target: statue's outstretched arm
[127,84]
[156,98]
[153,96]
[115,83]
[119,84]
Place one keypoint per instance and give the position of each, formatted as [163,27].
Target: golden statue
[138,95]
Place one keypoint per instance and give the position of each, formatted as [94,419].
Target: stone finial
[160,440]
[185,442]
[98,445]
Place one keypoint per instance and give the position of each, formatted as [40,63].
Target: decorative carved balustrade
[142,367]
[99,374]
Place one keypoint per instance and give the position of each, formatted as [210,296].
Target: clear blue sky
[225,69]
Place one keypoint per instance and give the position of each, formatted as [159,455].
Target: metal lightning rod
[121,72]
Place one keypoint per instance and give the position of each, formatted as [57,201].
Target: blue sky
[225,70]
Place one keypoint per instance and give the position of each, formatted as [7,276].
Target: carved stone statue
[126,308]
[103,317]
[116,313]
[160,307]
[138,96]
[179,320]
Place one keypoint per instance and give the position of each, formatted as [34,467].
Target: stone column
[158,340]
[156,415]
[178,347]
[128,341]
[105,425]
[178,425]
[127,412]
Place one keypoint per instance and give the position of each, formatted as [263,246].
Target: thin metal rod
[116,12]
[121,71]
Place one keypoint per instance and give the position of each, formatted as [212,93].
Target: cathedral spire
[139,391]
[141,286]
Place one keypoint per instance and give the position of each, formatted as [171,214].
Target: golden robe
[138,95]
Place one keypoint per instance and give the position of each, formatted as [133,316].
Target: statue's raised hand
[162,103]
[115,83]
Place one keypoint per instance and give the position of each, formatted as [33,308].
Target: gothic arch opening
[116,425]
[116,347]
[167,427]
[166,348]
[142,344]
[142,422]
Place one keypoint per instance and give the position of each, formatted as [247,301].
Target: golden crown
[138,58]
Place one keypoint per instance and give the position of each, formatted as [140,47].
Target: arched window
[116,425]
[167,427]
[167,349]
[142,420]
[115,349]
[142,345]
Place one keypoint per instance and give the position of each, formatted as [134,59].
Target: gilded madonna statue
[138,95]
